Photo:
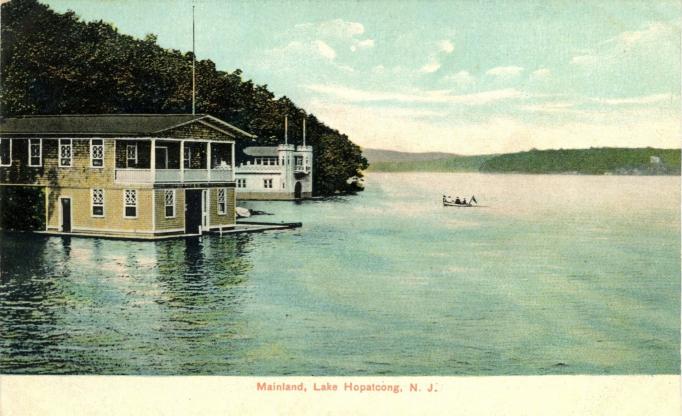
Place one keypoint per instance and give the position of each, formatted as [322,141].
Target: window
[187,156]
[96,153]
[222,201]
[65,152]
[169,198]
[5,152]
[267,183]
[131,154]
[97,202]
[130,203]
[298,160]
[35,152]
[241,183]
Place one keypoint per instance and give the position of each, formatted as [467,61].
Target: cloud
[446,46]
[337,31]
[505,71]
[336,28]
[443,47]
[430,96]
[325,50]
[390,128]
[646,99]
[462,79]
[430,67]
[542,73]
[659,38]
[585,60]
[362,44]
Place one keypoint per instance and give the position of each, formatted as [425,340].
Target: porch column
[182,160]
[152,161]
[208,160]
[232,166]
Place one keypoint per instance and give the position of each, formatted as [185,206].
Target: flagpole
[194,82]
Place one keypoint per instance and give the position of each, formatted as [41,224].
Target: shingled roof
[107,124]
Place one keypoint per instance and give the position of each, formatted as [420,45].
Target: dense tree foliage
[55,64]
[594,161]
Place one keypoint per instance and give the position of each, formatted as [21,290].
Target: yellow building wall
[222,219]
[113,220]
[176,222]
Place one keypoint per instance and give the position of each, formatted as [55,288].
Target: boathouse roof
[261,151]
[110,124]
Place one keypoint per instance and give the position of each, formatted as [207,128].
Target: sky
[466,77]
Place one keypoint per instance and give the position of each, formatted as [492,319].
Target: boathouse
[125,175]
[276,172]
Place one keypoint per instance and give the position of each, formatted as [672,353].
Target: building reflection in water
[92,306]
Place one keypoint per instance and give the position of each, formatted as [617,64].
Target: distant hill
[380,155]
[593,161]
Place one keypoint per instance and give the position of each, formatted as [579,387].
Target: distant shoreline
[593,161]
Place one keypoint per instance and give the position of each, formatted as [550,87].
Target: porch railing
[144,176]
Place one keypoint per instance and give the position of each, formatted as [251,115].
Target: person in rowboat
[457,201]
[464,201]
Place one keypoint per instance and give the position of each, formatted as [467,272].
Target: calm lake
[554,275]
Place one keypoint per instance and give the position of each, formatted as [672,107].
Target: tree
[55,64]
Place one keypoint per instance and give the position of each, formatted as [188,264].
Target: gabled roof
[261,151]
[108,124]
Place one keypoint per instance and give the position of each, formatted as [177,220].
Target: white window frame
[267,183]
[40,152]
[165,203]
[128,159]
[59,152]
[187,161]
[93,205]
[126,205]
[10,153]
[222,211]
[92,158]
[241,182]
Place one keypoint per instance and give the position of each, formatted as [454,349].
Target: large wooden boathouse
[125,175]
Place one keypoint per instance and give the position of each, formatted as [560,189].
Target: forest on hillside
[54,63]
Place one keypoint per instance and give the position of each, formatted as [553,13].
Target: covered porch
[173,161]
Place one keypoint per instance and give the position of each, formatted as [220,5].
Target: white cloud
[430,67]
[325,50]
[463,79]
[391,128]
[660,38]
[336,28]
[362,44]
[542,73]
[584,60]
[646,99]
[505,71]
[443,47]
[446,46]
[430,96]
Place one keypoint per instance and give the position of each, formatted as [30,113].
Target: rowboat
[452,204]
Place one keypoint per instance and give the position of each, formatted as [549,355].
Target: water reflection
[119,307]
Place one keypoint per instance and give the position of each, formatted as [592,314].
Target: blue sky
[457,76]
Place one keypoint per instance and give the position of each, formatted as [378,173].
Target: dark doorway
[161,157]
[297,190]
[192,211]
[66,215]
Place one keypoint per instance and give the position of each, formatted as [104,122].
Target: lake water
[555,275]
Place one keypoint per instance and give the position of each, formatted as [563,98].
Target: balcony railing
[301,169]
[144,176]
